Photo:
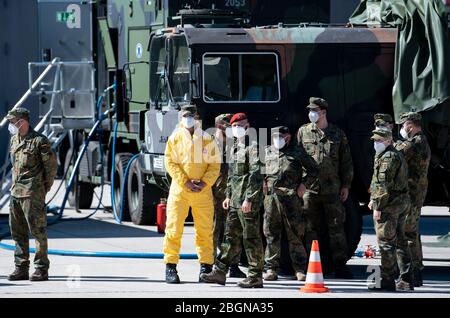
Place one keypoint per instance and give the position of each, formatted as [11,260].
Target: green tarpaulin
[422,60]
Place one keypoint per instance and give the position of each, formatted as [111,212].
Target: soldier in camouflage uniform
[243,199]
[328,145]
[389,201]
[283,189]
[33,171]
[383,121]
[417,153]
[222,123]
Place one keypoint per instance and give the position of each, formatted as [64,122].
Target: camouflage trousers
[284,212]
[29,215]
[412,231]
[326,210]
[395,254]
[246,226]
[220,217]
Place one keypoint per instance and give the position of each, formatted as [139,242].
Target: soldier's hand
[344,194]
[226,204]
[265,188]
[301,190]
[191,186]
[246,206]
[376,215]
[370,205]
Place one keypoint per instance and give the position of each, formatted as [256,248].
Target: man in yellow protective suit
[193,160]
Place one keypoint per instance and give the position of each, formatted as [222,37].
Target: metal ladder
[55,133]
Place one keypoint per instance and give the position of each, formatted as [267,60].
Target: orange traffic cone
[314,277]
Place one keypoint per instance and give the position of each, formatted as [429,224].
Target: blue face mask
[313,116]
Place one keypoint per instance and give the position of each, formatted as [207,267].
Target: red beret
[238,117]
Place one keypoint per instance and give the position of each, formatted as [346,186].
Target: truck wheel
[353,225]
[142,197]
[81,193]
[120,164]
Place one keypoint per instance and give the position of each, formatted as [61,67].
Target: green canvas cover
[422,58]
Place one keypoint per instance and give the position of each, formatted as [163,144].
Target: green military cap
[381,134]
[383,119]
[410,116]
[19,113]
[315,102]
[189,110]
[223,119]
[280,130]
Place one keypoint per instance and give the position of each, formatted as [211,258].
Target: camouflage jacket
[220,186]
[331,151]
[389,180]
[417,154]
[34,165]
[244,175]
[285,167]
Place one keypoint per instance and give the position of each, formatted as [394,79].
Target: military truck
[160,55]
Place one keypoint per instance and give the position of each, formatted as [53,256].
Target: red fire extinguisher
[161,215]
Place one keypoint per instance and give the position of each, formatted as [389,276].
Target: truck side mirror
[195,80]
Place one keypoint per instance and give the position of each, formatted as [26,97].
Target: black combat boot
[204,269]
[39,275]
[236,272]
[343,272]
[418,281]
[251,282]
[216,276]
[384,286]
[19,274]
[172,274]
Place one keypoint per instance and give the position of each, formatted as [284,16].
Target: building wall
[18,46]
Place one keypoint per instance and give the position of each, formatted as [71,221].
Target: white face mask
[229,132]
[379,147]
[13,129]
[188,122]
[313,116]
[238,131]
[278,143]
[403,133]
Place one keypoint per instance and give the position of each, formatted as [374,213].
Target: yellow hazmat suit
[190,157]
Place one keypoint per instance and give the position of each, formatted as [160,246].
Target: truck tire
[120,164]
[142,197]
[81,193]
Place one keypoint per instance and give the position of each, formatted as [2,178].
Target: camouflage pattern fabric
[389,194]
[282,206]
[33,171]
[244,183]
[330,150]
[417,154]
[29,214]
[34,165]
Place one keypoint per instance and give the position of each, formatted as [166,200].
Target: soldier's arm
[309,166]
[345,163]
[386,176]
[406,147]
[49,162]
[255,179]
[299,137]
[172,164]
[214,161]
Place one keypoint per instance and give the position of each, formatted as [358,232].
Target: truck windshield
[241,77]
[180,76]
[157,69]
